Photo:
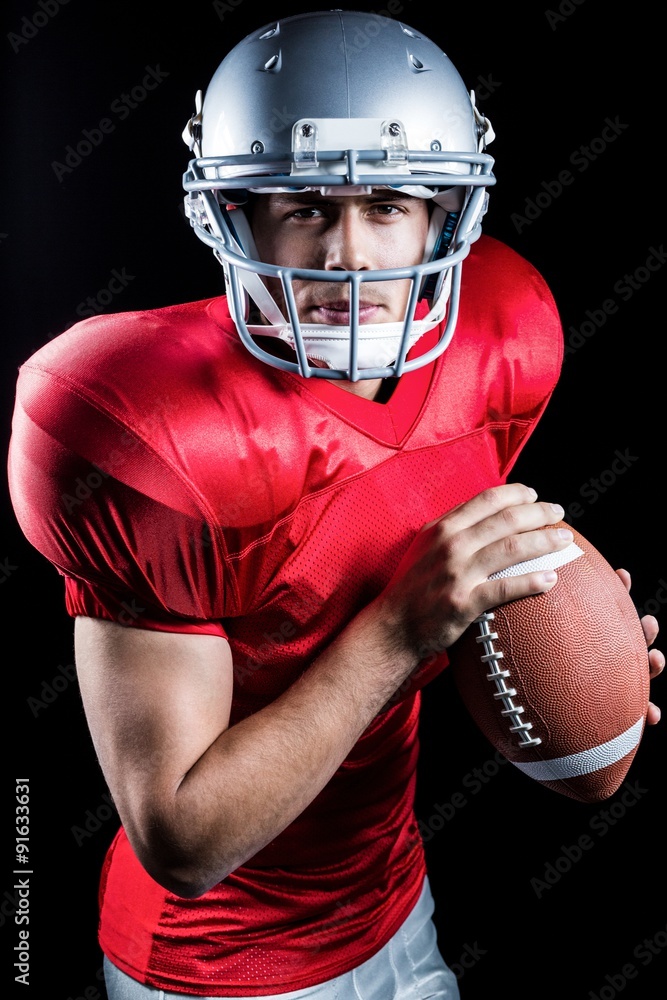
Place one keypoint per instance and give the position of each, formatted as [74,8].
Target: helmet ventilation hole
[416,64]
[274,64]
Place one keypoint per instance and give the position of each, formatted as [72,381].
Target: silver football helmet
[338,102]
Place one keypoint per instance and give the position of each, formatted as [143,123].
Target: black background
[550,79]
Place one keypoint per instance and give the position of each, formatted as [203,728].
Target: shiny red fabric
[180,484]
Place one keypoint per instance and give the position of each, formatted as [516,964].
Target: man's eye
[307,213]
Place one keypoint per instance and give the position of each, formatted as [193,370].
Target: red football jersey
[180,484]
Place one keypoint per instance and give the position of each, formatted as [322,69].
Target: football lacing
[492,656]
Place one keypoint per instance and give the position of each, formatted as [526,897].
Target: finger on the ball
[651,629]
[513,588]
[653,715]
[656,662]
[516,553]
[488,503]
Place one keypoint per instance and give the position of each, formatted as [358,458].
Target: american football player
[275,509]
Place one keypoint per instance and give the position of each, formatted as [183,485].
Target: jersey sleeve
[130,536]
[508,364]
[534,352]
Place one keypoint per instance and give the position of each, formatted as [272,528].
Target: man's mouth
[338,313]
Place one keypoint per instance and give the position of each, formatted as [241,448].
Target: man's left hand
[656,658]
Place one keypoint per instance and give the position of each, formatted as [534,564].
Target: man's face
[384,229]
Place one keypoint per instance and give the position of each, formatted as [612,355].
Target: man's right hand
[442,583]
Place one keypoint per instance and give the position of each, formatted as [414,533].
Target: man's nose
[345,243]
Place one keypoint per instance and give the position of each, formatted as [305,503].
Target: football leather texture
[558,682]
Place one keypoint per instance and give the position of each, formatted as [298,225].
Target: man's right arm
[198,797]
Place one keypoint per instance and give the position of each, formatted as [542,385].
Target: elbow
[180,883]
[188,881]
[187,877]
[188,871]
[185,858]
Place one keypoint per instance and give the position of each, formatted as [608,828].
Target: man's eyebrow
[310,197]
[390,194]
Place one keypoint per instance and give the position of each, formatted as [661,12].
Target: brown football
[559,682]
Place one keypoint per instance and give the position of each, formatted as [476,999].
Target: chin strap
[378,344]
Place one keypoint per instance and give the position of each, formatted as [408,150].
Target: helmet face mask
[297,106]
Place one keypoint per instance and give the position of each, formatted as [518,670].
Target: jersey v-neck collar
[390,421]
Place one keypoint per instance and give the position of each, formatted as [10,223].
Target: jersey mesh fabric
[179,484]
